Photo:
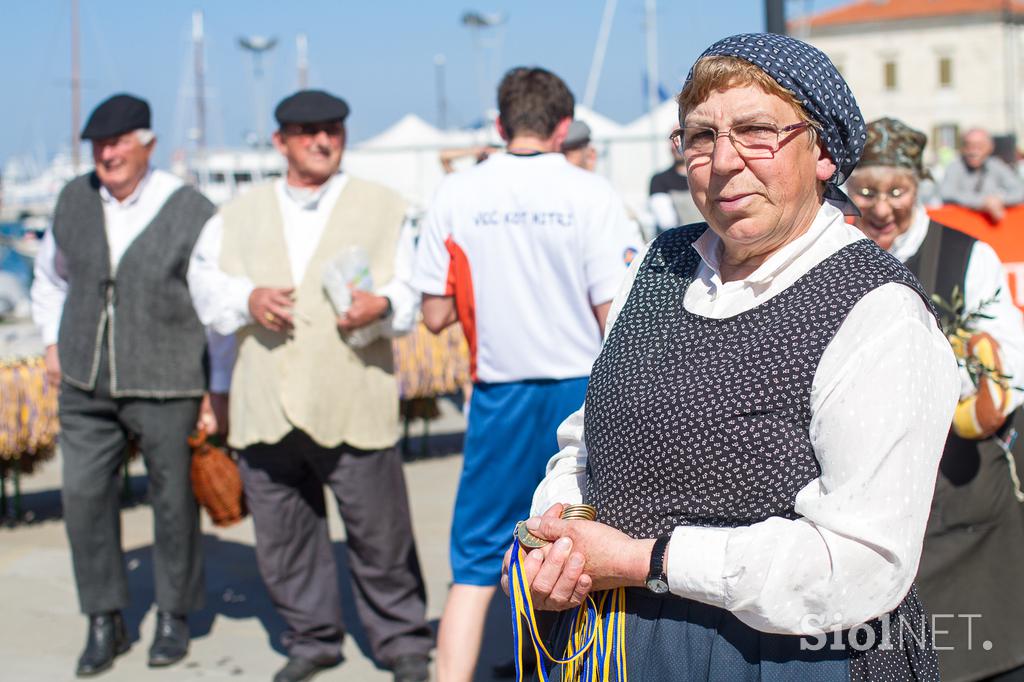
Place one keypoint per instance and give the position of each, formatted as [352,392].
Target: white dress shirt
[882,400]
[123,221]
[663,209]
[222,301]
[985,280]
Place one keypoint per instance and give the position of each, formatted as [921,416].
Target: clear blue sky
[378,54]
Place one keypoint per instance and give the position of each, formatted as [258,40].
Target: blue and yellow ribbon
[596,650]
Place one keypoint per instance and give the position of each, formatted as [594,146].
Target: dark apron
[971,577]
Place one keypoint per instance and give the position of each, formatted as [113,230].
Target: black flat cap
[117,115]
[311,106]
[578,136]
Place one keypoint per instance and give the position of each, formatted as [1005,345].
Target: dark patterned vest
[697,421]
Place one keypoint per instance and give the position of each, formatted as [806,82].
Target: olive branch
[958,324]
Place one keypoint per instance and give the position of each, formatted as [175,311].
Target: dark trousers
[94,434]
[284,491]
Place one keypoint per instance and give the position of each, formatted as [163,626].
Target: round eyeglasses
[869,196]
[751,140]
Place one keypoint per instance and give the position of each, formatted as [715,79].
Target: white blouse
[882,400]
[985,280]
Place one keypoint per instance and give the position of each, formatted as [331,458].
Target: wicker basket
[216,482]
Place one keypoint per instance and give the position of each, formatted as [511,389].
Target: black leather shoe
[105,640]
[411,668]
[298,669]
[170,643]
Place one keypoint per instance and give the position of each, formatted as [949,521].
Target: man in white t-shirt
[579,150]
[526,251]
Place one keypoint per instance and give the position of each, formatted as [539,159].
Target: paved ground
[236,636]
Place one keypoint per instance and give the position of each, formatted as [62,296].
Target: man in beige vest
[309,405]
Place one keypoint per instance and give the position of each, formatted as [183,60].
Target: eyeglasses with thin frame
[751,140]
[869,196]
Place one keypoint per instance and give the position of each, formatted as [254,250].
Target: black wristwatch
[657,581]
[388,309]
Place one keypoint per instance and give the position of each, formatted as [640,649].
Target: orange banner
[1006,237]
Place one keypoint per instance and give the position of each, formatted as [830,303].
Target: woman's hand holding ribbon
[554,572]
[583,556]
[612,558]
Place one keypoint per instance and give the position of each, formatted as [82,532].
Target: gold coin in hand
[582,512]
[528,539]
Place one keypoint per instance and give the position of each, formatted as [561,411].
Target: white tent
[601,127]
[405,156]
[665,117]
[408,131]
[640,150]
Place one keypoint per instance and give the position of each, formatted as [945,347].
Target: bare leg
[461,632]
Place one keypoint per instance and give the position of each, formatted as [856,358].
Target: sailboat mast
[302,53]
[653,79]
[597,63]
[76,91]
[197,56]
[440,63]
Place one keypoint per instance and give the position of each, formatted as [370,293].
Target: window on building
[945,72]
[889,74]
[242,177]
[944,142]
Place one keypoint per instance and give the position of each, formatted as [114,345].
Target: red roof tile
[864,11]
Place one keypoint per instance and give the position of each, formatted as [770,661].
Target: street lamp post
[258,46]
[477,23]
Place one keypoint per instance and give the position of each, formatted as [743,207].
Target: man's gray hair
[145,136]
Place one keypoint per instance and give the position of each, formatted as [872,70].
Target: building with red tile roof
[888,11]
[942,66]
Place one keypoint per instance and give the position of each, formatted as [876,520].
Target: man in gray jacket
[979,180]
[125,346]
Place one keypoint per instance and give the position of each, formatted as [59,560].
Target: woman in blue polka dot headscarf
[764,423]
[816,85]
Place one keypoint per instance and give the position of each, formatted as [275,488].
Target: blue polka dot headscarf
[817,84]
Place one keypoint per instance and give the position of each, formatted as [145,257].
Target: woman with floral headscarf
[763,426]
[974,543]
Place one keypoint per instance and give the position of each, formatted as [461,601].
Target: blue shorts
[510,438]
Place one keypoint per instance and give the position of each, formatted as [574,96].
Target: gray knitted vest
[156,344]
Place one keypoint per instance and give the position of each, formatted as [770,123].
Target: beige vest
[311,380]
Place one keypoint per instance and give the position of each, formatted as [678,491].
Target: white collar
[309,199]
[538,158]
[709,246]
[908,243]
[132,198]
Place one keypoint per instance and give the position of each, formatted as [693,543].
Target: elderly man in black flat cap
[127,349]
[313,396]
[578,148]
